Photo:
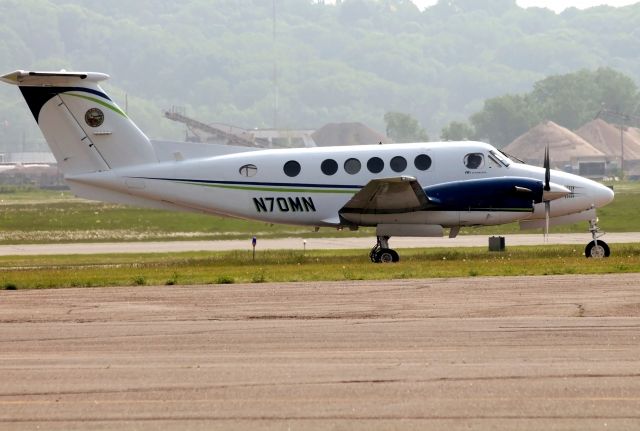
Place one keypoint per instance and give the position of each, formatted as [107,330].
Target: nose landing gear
[596,249]
[381,253]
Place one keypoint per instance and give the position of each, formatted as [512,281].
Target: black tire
[387,255]
[599,252]
[374,256]
[396,257]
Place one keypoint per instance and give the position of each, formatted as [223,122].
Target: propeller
[547,188]
[550,191]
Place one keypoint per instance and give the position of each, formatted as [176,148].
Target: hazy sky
[556,5]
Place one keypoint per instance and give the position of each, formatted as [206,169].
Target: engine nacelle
[513,194]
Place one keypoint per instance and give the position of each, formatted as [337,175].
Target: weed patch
[139,280]
[172,280]
[225,279]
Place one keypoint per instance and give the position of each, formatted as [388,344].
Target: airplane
[416,189]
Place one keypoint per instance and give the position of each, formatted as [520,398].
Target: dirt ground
[553,352]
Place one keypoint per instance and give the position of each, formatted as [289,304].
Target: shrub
[139,280]
[225,279]
[258,278]
[173,280]
[10,286]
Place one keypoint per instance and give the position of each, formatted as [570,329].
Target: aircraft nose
[602,195]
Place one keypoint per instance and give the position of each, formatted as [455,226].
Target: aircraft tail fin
[85,129]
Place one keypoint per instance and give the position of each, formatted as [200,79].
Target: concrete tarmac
[552,353]
[313,243]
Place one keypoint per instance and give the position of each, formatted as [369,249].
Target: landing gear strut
[381,253]
[596,249]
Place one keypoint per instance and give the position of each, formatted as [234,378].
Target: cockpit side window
[474,160]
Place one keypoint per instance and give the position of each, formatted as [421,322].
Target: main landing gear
[381,253]
[596,249]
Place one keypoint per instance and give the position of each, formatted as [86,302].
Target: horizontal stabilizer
[26,78]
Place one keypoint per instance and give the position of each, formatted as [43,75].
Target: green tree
[573,99]
[403,127]
[457,131]
[503,119]
[570,100]
[349,60]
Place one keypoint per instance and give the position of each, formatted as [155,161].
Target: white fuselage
[254,184]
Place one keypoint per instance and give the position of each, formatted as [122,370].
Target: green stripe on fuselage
[269,189]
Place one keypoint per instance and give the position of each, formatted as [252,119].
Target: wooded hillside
[353,61]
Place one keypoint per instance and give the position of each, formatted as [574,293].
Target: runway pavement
[552,353]
[312,243]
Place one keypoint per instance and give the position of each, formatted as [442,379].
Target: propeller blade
[547,169]
[547,212]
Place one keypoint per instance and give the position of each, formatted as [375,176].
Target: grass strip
[34,272]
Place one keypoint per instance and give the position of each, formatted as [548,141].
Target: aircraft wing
[386,196]
[404,194]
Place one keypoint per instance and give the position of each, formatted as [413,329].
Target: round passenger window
[473,160]
[292,168]
[329,167]
[352,166]
[398,164]
[422,162]
[248,170]
[375,165]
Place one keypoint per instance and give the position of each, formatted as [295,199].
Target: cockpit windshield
[511,157]
[501,157]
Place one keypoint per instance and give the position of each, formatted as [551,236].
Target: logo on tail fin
[94,117]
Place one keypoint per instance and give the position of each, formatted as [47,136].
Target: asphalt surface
[548,353]
[311,244]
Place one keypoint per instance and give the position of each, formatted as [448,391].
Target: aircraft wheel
[597,251]
[387,255]
[396,257]
[373,255]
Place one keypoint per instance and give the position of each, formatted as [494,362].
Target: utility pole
[275,71]
[621,151]
[622,120]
